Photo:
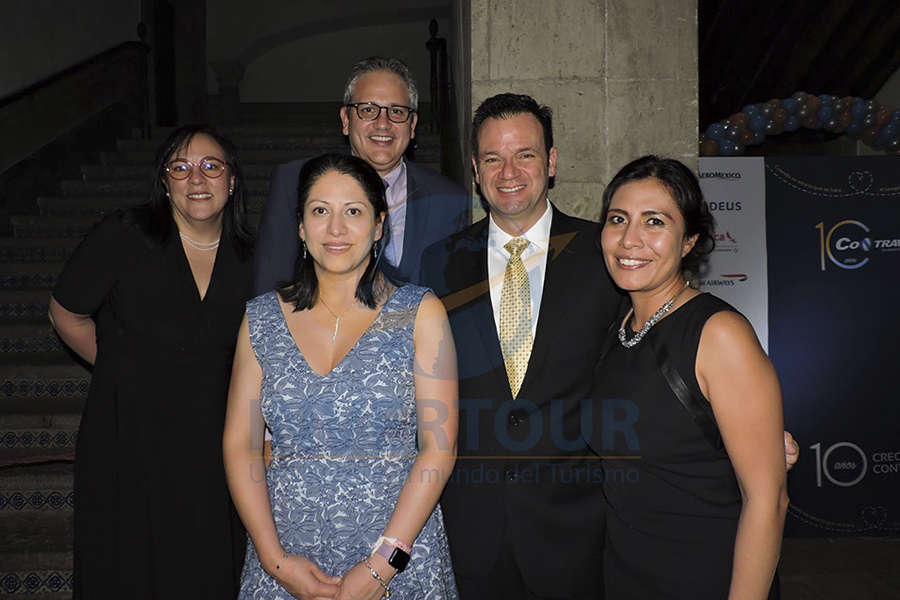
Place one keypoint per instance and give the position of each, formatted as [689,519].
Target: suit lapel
[473,296]
[414,216]
[553,301]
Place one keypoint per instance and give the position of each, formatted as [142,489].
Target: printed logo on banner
[849,244]
[845,464]
[725,280]
[725,242]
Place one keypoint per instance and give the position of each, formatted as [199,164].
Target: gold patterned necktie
[515,316]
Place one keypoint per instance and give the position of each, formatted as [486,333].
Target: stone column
[620,76]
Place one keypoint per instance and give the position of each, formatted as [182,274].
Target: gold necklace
[337,317]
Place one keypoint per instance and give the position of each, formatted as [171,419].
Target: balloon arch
[875,124]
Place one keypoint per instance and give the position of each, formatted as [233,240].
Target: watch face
[399,559]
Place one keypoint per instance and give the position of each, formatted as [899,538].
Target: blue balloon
[757,123]
[895,116]
[792,123]
[854,128]
[858,111]
[716,131]
[824,113]
[751,109]
[758,138]
[790,105]
[727,148]
[827,99]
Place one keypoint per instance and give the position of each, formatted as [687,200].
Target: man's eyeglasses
[369,111]
[181,168]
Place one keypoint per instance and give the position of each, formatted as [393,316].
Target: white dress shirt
[534,257]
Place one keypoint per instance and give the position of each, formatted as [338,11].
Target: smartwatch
[396,557]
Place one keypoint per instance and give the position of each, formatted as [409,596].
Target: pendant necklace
[650,322]
[337,317]
[202,246]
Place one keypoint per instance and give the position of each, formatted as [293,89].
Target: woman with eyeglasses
[153,298]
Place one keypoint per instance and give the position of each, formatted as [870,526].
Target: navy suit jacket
[435,208]
[525,477]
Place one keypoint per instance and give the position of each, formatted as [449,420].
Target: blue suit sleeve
[277,242]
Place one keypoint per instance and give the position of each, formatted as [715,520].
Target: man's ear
[551,162]
[414,119]
[345,120]
[475,168]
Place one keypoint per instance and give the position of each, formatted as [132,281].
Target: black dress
[674,501]
[153,517]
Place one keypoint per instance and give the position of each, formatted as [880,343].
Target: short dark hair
[374,64]
[156,216]
[301,292]
[684,188]
[504,106]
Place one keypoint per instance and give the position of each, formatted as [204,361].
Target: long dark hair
[302,291]
[155,217]
[684,188]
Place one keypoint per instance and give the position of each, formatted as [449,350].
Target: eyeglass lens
[369,111]
[181,169]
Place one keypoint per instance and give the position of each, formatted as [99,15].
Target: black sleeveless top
[673,497]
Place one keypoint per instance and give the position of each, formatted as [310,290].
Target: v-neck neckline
[186,263]
[287,331]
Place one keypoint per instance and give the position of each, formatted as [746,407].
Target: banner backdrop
[734,188]
[833,236]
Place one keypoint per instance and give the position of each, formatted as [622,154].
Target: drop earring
[304,250]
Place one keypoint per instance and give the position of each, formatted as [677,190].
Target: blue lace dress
[342,447]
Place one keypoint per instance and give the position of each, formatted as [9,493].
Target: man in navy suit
[379,118]
[524,509]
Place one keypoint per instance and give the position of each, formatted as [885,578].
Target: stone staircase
[42,386]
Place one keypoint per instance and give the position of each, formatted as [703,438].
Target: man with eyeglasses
[379,118]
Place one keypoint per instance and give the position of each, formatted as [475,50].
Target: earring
[304,250]
[230,191]
[374,252]
[167,194]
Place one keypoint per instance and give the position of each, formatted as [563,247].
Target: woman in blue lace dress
[356,379]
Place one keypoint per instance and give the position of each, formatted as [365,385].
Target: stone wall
[620,76]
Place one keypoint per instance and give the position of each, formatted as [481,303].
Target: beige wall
[620,76]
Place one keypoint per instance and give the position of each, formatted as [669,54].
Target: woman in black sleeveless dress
[689,516]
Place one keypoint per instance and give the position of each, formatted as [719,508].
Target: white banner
[735,189]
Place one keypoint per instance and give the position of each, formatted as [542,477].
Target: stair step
[135,187]
[20,305]
[37,560]
[35,250]
[45,488]
[32,275]
[51,381]
[37,226]
[28,438]
[24,340]
[304,142]
[101,205]
[264,157]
